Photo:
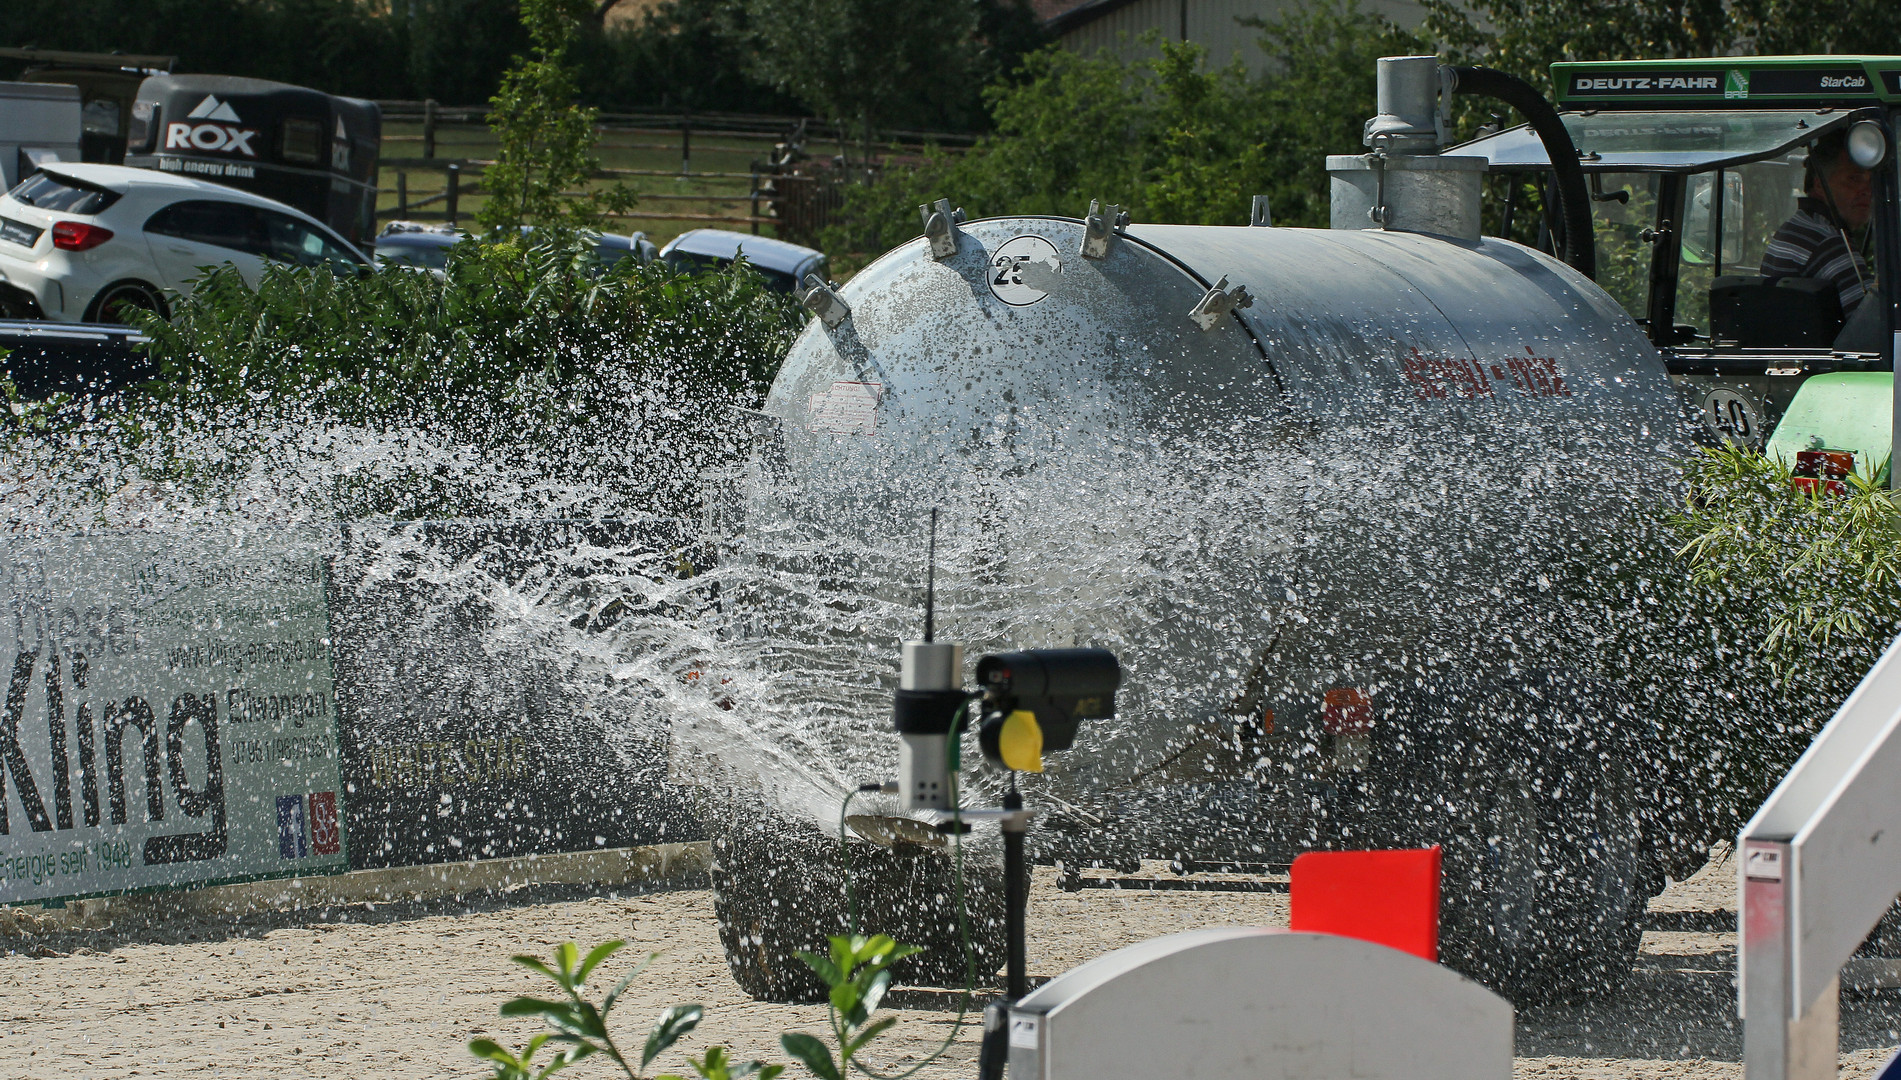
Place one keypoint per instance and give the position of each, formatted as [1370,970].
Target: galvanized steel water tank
[1386,466]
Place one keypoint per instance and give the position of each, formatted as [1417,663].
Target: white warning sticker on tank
[848,407]
[1024,270]
[1023,1031]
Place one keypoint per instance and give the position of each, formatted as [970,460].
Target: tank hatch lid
[1680,140]
[1729,82]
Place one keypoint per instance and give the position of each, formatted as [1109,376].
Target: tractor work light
[1867,143]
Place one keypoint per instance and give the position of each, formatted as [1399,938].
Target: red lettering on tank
[1438,377]
[1537,376]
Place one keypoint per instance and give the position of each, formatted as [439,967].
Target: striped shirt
[1811,245]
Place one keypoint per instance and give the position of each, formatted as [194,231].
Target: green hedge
[527,372]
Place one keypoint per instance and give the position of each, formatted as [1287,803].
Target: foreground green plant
[579,1024]
[857,972]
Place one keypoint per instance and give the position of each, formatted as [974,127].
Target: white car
[82,242]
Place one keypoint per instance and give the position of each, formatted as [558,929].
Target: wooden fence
[784,185]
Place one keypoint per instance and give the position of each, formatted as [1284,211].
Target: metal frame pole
[1820,865]
[1780,1040]
[993,1055]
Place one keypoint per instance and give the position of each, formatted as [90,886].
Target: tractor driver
[1814,243]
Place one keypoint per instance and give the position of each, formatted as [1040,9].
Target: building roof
[1062,16]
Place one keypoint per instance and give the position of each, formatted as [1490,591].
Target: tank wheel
[117,301]
[1543,892]
[778,889]
[1533,798]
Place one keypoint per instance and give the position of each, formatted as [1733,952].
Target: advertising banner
[170,716]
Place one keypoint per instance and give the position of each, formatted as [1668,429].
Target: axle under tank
[1395,468]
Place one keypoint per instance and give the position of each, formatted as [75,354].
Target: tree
[1525,37]
[1169,138]
[871,65]
[546,140]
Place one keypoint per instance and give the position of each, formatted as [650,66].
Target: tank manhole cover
[1024,270]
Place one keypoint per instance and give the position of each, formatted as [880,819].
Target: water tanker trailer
[1353,506]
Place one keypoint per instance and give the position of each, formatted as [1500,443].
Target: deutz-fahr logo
[1647,83]
[225,138]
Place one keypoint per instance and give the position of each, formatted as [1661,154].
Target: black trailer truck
[312,150]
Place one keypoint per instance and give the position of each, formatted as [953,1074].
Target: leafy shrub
[1821,573]
[529,357]
[1777,605]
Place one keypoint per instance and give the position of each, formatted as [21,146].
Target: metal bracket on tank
[1219,301]
[1100,229]
[1258,215]
[1379,214]
[822,300]
[940,227]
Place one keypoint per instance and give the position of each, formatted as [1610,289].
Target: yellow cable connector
[1020,742]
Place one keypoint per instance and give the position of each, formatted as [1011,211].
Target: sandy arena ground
[397,990]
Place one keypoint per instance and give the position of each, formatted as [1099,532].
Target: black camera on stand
[1034,701]
[1031,704]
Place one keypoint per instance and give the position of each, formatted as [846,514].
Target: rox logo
[221,138]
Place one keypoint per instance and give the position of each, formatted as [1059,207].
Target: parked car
[84,242]
[784,265]
[413,245]
[43,359]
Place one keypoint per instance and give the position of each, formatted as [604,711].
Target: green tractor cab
[1692,166]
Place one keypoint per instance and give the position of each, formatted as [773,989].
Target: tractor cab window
[1723,296]
[1684,206]
[1711,245]
[1624,212]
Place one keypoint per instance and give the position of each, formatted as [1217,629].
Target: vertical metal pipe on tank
[454,194]
[1409,102]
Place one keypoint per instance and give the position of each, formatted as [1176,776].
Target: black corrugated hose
[1574,200]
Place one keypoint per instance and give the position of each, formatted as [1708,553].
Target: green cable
[954,759]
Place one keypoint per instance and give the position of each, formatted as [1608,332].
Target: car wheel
[116,302]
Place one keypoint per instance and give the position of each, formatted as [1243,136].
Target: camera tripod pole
[1016,893]
[993,1056]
